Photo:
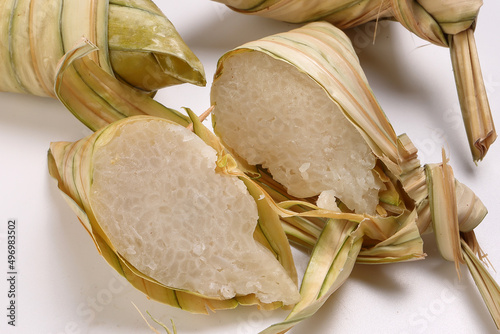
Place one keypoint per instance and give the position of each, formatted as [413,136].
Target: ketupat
[275,101]
[36,35]
[133,43]
[320,129]
[444,23]
[174,219]
[282,103]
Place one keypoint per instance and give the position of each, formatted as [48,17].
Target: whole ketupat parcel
[128,48]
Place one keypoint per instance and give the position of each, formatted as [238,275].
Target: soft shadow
[231,29]
[378,55]
[445,271]
[40,116]
[378,277]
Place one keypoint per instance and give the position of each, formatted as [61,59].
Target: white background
[64,286]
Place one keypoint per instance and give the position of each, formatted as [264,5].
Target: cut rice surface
[158,198]
[272,114]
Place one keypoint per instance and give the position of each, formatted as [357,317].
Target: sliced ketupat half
[298,104]
[164,215]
